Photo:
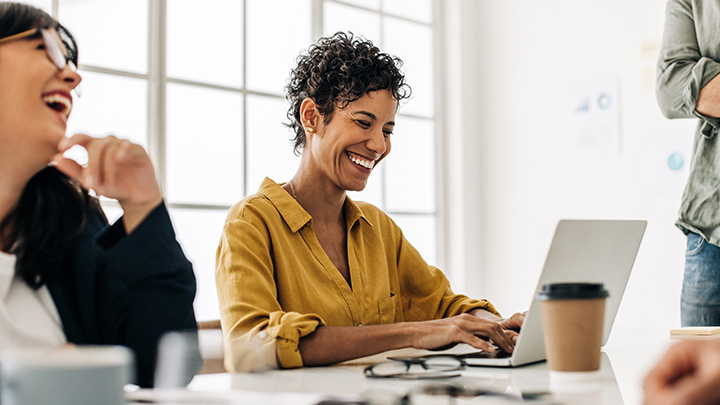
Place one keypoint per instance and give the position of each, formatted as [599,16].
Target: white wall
[524,179]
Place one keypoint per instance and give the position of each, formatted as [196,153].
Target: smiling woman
[65,275]
[300,265]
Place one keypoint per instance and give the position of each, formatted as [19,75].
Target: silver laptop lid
[598,251]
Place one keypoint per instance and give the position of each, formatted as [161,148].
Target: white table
[627,357]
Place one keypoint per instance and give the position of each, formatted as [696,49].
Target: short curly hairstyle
[336,71]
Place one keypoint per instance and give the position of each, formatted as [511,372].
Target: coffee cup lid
[566,291]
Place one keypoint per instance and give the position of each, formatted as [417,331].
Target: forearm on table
[708,103]
[333,344]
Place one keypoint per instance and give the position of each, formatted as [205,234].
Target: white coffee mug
[85,375]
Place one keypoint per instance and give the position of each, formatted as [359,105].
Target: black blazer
[126,289]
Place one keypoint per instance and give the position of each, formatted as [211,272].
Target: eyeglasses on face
[434,367]
[53,48]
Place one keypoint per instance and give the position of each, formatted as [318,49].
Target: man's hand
[688,374]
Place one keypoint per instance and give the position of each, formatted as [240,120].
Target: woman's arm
[146,286]
[332,344]
[251,314]
[146,289]
[425,296]
[426,292]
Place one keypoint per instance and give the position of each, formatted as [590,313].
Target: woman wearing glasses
[305,275]
[65,276]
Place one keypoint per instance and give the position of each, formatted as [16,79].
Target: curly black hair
[336,71]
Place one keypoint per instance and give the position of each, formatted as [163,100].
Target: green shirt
[688,60]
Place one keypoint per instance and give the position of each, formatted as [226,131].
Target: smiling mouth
[361,161]
[59,103]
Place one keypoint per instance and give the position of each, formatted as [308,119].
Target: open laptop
[595,251]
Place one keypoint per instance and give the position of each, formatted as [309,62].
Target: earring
[310,130]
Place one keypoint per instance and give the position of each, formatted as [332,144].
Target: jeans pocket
[695,244]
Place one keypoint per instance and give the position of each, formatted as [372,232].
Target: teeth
[61,100]
[362,162]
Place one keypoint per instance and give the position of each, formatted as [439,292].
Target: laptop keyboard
[497,354]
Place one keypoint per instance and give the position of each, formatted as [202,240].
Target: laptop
[594,251]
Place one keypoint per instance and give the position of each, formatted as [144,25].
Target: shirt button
[262,335]
[359,324]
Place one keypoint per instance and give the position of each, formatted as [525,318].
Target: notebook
[596,251]
[695,331]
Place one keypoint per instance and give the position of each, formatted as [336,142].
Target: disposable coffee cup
[573,316]
[87,375]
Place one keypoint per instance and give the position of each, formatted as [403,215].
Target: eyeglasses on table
[417,368]
[441,394]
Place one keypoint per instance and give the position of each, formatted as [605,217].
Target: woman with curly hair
[66,276]
[305,275]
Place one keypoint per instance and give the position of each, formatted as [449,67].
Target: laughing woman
[316,278]
[65,275]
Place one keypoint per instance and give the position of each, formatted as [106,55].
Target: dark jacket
[126,289]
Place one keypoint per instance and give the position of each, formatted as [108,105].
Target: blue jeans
[700,299]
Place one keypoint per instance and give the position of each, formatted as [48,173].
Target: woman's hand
[116,169]
[511,325]
[465,328]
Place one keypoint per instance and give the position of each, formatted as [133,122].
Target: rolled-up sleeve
[258,333]
[682,69]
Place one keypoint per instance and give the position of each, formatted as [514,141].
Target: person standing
[688,86]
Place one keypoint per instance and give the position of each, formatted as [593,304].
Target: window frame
[158,81]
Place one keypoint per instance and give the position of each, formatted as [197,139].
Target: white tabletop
[627,357]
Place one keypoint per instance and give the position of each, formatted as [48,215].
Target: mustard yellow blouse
[276,284]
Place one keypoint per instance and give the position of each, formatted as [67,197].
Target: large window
[200,85]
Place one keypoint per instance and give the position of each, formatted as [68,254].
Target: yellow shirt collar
[293,213]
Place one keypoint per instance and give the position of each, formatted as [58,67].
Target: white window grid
[157,87]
